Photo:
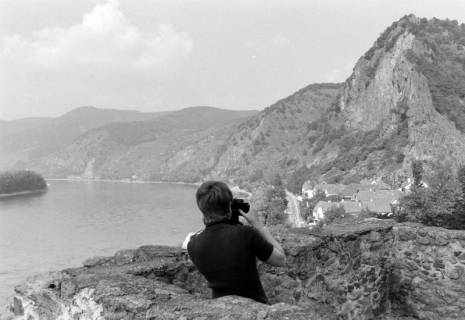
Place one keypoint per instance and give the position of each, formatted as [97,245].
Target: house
[351,207]
[333,198]
[391,194]
[329,189]
[409,184]
[307,190]
[364,196]
[350,191]
[320,208]
[380,185]
[379,201]
[379,206]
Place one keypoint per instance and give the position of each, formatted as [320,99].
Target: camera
[235,206]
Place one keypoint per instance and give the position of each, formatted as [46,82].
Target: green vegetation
[333,214]
[440,204]
[21,181]
[355,148]
[297,178]
[443,65]
[271,202]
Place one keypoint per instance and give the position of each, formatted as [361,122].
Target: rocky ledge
[374,270]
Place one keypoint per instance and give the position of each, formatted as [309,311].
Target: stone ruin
[373,270]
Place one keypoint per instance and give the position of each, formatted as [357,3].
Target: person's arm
[277,257]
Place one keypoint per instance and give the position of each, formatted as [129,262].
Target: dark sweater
[226,255]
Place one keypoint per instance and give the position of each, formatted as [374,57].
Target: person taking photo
[225,252]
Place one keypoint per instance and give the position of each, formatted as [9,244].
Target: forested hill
[404,100]
[180,146]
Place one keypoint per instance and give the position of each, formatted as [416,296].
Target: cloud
[104,38]
[102,48]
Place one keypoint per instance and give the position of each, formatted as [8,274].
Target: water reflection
[23,198]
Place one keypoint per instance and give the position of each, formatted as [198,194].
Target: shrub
[367,213]
[333,214]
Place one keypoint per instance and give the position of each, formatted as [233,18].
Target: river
[75,220]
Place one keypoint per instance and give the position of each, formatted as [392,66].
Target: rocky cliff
[374,270]
[396,92]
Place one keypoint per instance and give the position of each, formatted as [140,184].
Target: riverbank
[125,181]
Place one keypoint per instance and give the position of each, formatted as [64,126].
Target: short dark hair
[214,200]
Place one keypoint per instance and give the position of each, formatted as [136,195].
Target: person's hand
[251,217]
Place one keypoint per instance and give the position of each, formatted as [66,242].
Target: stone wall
[428,275]
[374,270]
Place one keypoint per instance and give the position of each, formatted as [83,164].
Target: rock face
[392,89]
[375,270]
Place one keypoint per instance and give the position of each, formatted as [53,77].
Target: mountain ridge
[403,101]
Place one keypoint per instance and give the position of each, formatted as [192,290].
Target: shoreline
[194,184]
[124,181]
[21,193]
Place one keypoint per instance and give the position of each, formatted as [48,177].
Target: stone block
[440,240]
[439,264]
[456,273]
[423,241]
[406,234]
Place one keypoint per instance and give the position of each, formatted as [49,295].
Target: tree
[270,202]
[277,202]
[459,207]
[435,205]
[19,181]
[417,172]
[334,213]
[461,178]
[297,179]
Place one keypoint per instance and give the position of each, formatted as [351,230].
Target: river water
[75,220]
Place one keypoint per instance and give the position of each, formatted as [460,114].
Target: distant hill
[182,145]
[404,100]
[11,127]
[24,141]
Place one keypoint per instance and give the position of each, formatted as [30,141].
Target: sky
[154,55]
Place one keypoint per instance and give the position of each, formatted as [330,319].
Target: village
[374,197]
